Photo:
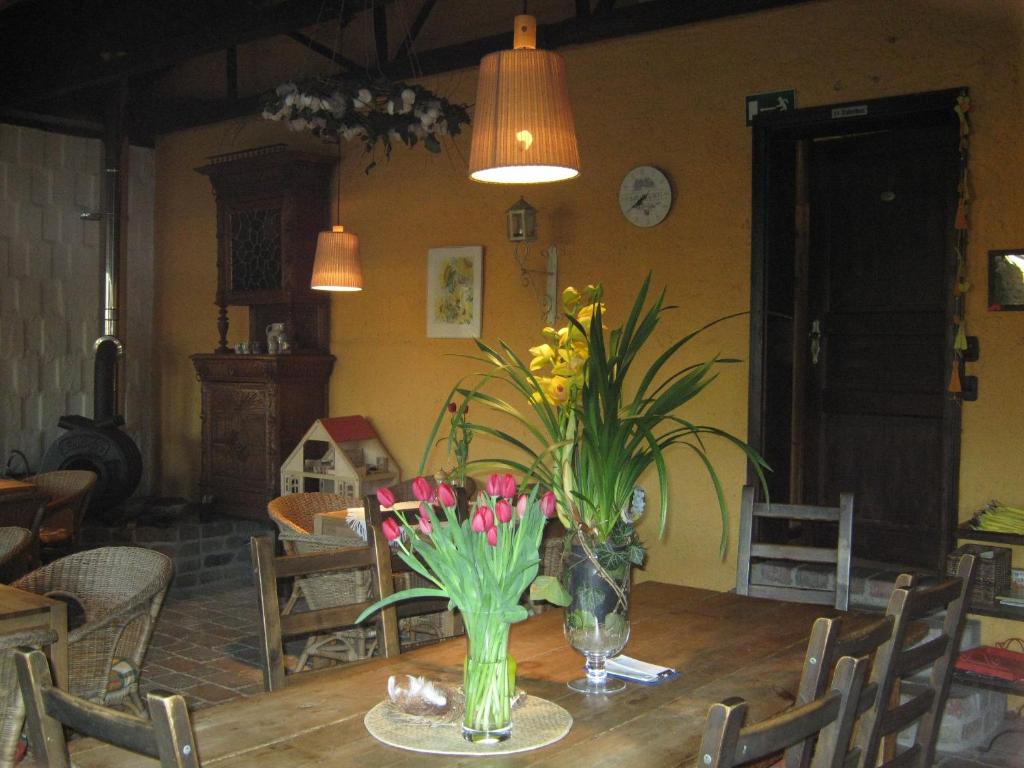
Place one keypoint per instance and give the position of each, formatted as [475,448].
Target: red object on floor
[992,662]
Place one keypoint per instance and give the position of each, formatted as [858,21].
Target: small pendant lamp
[336,264]
[523,131]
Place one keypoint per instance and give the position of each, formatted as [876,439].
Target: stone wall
[51,269]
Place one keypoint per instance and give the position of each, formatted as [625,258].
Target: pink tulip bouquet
[482,565]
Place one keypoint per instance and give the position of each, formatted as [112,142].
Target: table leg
[59,649]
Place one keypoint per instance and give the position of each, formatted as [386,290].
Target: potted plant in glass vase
[482,565]
[593,423]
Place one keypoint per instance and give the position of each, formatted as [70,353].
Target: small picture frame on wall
[1006,280]
[454,291]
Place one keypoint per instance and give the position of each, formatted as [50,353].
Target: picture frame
[455,291]
[1006,280]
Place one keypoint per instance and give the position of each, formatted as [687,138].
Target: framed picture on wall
[454,291]
[1006,280]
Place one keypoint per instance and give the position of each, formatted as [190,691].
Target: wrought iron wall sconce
[521,220]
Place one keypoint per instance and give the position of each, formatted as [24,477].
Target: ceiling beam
[90,70]
[415,29]
[323,50]
[626,20]
[380,33]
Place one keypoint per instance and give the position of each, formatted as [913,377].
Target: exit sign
[768,103]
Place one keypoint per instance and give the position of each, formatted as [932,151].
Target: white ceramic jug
[275,333]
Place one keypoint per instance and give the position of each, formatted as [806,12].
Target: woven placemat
[536,723]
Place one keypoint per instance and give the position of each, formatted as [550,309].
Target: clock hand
[639,202]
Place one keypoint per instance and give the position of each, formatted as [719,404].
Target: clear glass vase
[597,618]
[488,679]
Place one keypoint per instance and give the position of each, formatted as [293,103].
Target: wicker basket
[991,571]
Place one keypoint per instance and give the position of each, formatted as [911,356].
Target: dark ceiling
[74,65]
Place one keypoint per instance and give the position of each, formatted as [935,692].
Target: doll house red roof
[349,429]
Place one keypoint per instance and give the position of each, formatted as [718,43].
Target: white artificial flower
[315,103]
[286,88]
[408,96]
[289,99]
[335,104]
[353,132]
[305,101]
[391,107]
[362,98]
[268,115]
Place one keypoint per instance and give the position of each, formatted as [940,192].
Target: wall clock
[645,196]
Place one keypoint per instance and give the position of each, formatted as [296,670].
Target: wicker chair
[12,706]
[25,512]
[69,491]
[120,591]
[15,543]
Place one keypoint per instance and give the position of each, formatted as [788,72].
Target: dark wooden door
[876,418]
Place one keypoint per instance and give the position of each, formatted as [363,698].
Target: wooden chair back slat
[826,645]
[308,563]
[913,659]
[167,734]
[828,720]
[908,604]
[792,594]
[274,627]
[842,516]
[795,552]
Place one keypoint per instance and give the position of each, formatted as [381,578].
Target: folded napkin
[628,668]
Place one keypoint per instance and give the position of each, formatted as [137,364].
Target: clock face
[645,196]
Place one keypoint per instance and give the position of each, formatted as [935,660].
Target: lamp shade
[336,264]
[523,130]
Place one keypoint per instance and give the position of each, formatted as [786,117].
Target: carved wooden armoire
[271,204]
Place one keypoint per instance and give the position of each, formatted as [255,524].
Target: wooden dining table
[722,645]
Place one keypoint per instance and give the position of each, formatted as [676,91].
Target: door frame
[771,133]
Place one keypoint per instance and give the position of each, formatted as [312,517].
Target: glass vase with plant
[482,565]
[593,423]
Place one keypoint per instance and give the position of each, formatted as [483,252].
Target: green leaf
[512,615]
[405,594]
[550,590]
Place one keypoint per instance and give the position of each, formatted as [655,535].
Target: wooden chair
[897,659]
[166,735]
[749,549]
[827,644]
[294,514]
[12,706]
[120,591]
[274,626]
[69,491]
[828,720]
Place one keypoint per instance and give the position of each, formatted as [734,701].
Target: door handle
[815,336]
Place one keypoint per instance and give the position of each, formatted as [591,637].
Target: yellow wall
[674,99]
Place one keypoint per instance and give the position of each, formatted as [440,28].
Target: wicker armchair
[15,543]
[120,591]
[12,706]
[69,491]
[25,512]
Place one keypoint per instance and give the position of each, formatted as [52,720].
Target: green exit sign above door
[768,103]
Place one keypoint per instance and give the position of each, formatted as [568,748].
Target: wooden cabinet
[255,409]
[271,205]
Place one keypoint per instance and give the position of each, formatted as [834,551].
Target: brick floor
[205,646]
